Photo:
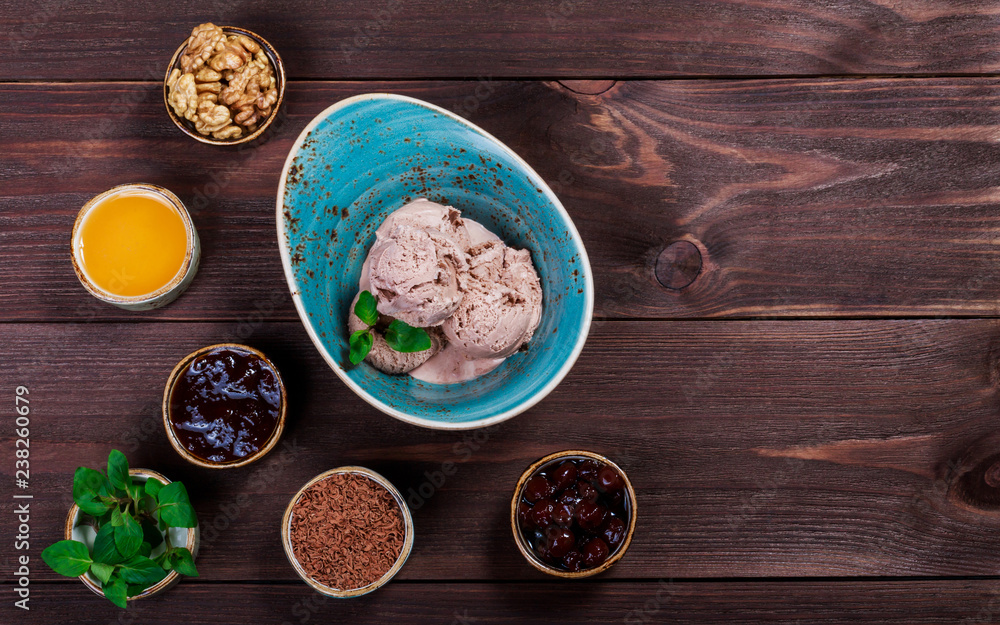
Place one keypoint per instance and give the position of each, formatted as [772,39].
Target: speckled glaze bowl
[367,156]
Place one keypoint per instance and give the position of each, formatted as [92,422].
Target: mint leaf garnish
[182,561]
[105,549]
[366,309]
[141,570]
[404,338]
[128,537]
[361,344]
[87,487]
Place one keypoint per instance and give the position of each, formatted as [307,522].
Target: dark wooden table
[811,423]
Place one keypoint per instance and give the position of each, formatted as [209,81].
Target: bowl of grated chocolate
[347,532]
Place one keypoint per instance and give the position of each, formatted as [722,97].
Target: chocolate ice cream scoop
[385,358]
[428,215]
[417,274]
[502,305]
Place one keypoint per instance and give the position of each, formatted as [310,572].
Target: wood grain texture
[539,602]
[552,38]
[757,448]
[804,197]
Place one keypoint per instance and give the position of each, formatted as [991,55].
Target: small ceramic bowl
[365,157]
[522,543]
[404,553]
[172,434]
[167,293]
[189,537]
[279,78]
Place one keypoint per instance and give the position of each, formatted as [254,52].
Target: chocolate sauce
[225,405]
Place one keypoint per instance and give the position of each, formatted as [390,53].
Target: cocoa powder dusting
[346,531]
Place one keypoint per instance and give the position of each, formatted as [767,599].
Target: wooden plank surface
[757,448]
[809,419]
[811,197]
[552,38]
[541,602]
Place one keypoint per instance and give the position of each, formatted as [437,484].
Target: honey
[132,244]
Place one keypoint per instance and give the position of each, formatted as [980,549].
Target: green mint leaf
[153,487]
[68,557]
[117,519]
[87,483]
[151,534]
[142,571]
[145,549]
[182,561]
[135,492]
[146,505]
[175,507]
[361,344]
[118,470]
[116,591]
[94,507]
[87,487]
[134,590]
[128,537]
[366,309]
[102,571]
[105,550]
[403,337]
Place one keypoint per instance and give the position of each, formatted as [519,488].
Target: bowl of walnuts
[224,85]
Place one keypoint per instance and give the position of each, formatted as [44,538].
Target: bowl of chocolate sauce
[224,406]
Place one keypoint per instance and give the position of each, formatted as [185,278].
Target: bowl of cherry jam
[224,406]
[573,514]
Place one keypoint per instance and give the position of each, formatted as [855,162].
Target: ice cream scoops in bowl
[449,279]
[436,273]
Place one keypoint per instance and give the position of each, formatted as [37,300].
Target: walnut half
[202,44]
[229,132]
[250,93]
[183,94]
[234,53]
[211,117]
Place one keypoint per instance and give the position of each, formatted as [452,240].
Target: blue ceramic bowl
[366,156]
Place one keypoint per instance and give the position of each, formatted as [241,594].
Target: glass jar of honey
[135,246]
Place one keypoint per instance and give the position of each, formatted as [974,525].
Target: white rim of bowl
[290,278]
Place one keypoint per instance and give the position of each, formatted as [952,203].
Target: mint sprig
[367,309]
[361,344]
[400,336]
[403,337]
[129,519]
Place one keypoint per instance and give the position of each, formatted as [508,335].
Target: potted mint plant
[130,534]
